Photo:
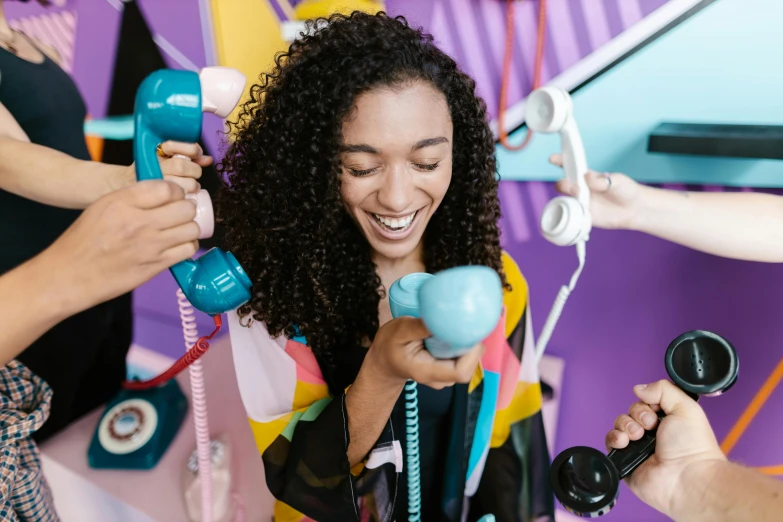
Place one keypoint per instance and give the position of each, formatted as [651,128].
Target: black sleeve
[311,473]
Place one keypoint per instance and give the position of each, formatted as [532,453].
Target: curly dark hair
[285,221]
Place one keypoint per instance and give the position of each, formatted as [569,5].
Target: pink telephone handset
[205,215]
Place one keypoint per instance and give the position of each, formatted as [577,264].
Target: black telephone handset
[587,482]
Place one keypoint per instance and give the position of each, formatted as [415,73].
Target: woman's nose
[396,193]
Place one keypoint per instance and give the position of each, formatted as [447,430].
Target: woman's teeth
[395,224]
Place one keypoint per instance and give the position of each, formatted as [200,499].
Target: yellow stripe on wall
[247,37]
[310,9]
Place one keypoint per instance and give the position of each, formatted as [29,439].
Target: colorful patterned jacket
[497,461]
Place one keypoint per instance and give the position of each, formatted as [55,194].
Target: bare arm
[396,355]
[721,491]
[369,402]
[739,225]
[31,302]
[53,178]
[49,176]
[117,244]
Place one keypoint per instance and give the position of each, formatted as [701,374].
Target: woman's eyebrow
[361,147]
[429,142]
[369,149]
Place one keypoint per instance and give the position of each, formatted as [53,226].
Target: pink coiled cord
[240,516]
[196,347]
[200,418]
[198,392]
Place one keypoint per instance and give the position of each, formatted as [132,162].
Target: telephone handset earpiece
[587,481]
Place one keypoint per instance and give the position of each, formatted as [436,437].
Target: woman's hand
[184,171]
[118,243]
[398,354]
[613,196]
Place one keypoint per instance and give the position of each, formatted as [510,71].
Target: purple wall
[636,294]
[473,32]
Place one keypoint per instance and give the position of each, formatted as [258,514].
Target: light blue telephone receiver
[460,307]
[169,106]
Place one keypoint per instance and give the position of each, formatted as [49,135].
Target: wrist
[641,207]
[376,370]
[120,178]
[692,486]
[52,285]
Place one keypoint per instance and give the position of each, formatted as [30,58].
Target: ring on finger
[608,178]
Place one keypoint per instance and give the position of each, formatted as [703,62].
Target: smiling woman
[364,156]
[396,179]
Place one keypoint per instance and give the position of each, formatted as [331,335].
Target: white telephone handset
[566,220]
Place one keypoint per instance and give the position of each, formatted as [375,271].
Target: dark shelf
[736,141]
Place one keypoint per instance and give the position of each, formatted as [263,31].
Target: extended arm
[32,300]
[50,177]
[739,225]
[722,491]
[117,244]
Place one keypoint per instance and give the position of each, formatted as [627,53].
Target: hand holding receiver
[587,482]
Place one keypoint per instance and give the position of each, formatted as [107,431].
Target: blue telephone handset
[169,106]
[460,307]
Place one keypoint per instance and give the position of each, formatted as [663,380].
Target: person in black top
[42,142]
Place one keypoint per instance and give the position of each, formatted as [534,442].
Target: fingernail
[633,427]
[647,419]
[640,386]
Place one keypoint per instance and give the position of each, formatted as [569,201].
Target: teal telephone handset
[169,106]
[142,421]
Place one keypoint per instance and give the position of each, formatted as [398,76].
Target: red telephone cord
[191,356]
[539,62]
